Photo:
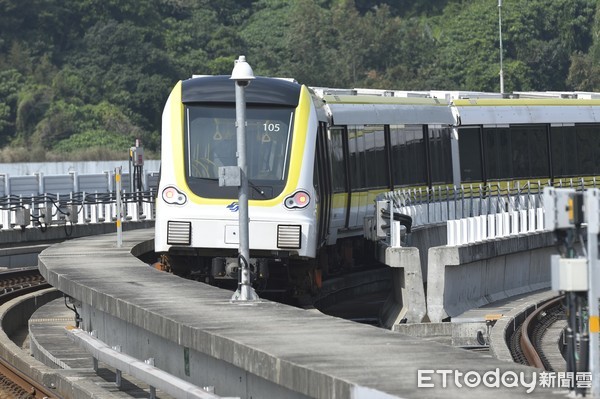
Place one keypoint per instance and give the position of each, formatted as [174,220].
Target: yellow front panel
[299,137]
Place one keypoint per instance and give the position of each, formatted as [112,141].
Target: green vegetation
[84,78]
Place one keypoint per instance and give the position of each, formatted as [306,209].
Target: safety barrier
[38,184]
[475,213]
[142,370]
[489,227]
[41,211]
[38,201]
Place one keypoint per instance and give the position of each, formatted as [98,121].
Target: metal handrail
[144,371]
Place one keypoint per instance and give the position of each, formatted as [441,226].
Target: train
[318,158]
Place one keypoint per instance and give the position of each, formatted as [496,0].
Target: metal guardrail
[142,370]
[38,184]
[41,211]
[474,213]
[39,201]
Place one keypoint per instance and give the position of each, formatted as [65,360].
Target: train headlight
[300,199]
[173,196]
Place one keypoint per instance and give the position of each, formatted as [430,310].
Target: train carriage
[318,157]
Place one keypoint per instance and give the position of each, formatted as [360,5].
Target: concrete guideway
[460,278]
[267,349]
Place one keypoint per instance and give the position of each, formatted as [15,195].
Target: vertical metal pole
[245,292]
[118,373]
[131,187]
[592,205]
[119,207]
[500,33]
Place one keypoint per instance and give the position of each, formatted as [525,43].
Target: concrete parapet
[406,302]
[425,237]
[264,349]
[464,277]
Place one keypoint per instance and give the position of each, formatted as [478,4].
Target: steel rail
[533,354]
[14,283]
[26,383]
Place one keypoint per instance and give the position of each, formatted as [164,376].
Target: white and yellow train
[317,158]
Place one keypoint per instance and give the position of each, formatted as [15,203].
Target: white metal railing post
[150,362]
[118,372]
[523,221]
[540,219]
[531,220]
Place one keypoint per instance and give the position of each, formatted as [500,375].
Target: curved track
[13,383]
[526,341]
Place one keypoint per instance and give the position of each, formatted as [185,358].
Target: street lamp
[242,75]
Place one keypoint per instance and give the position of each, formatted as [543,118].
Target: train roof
[459,108]
[220,89]
[354,107]
[360,106]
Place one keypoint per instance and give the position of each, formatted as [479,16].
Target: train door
[323,182]
[340,185]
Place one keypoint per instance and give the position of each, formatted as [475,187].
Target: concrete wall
[465,277]
[183,362]
[447,281]
[427,237]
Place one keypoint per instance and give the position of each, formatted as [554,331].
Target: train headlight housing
[300,199]
[173,196]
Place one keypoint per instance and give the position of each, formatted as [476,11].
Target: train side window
[588,145]
[497,152]
[408,155]
[356,147]
[529,151]
[538,151]
[469,149]
[575,150]
[338,167]
[564,151]
[440,154]
[375,156]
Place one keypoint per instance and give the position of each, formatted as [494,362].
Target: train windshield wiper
[258,190]
[254,186]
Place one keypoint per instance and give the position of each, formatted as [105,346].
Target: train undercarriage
[270,272]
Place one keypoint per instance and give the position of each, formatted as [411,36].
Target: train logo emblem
[233,207]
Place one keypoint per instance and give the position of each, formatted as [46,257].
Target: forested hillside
[83,78]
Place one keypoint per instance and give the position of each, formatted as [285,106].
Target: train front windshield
[211,142]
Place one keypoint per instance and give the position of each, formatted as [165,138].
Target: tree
[11,81]
[32,103]
[265,35]
[584,71]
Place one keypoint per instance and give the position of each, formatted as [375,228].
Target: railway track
[526,343]
[13,383]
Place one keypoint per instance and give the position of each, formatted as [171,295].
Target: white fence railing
[38,200]
[41,211]
[38,184]
[490,227]
[477,213]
